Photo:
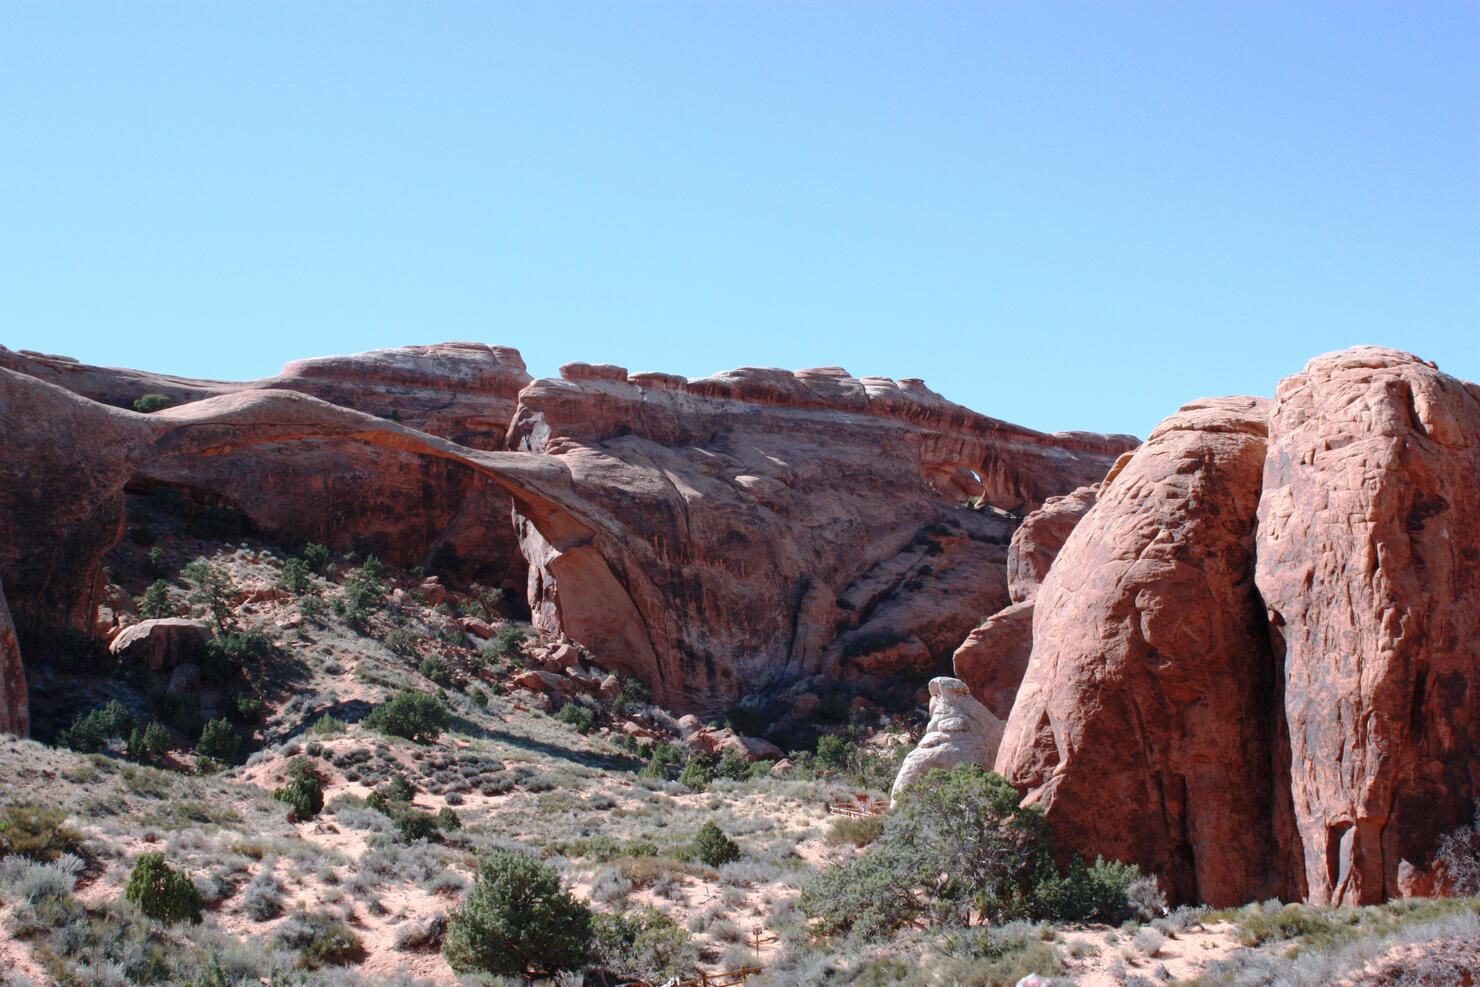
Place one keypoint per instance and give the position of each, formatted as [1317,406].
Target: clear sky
[1070,215]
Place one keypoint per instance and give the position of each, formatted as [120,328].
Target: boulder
[1368,548]
[540,682]
[749,748]
[477,628]
[961,731]
[1142,722]
[163,643]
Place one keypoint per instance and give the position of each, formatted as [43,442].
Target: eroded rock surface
[1368,550]
[162,644]
[994,656]
[14,708]
[713,537]
[1142,723]
[961,731]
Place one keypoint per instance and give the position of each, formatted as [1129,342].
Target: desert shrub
[646,944]
[698,772]
[244,709]
[416,824]
[713,847]
[398,789]
[319,940]
[161,892]
[233,650]
[447,819]
[1146,899]
[218,740]
[316,557]
[148,744]
[147,404]
[958,841]
[517,919]
[312,608]
[477,695]
[509,639]
[1459,853]
[482,602]
[432,667]
[89,732]
[38,833]
[417,937]
[327,726]
[833,752]
[156,603]
[1276,924]
[294,577]
[583,718]
[1083,894]
[263,898]
[304,792]
[665,758]
[857,830]
[363,593]
[155,564]
[214,591]
[418,716]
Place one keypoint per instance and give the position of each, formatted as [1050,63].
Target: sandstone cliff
[715,537]
[1254,661]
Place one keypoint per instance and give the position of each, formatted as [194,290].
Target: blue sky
[1070,215]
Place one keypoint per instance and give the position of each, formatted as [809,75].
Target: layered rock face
[995,654]
[810,498]
[1368,550]
[1255,660]
[409,508]
[714,537]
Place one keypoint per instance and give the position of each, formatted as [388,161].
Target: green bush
[150,744]
[447,819]
[417,716]
[304,792]
[698,772]
[218,740]
[398,789]
[37,832]
[156,566]
[1086,894]
[245,709]
[214,591]
[477,695]
[90,731]
[316,557]
[415,824]
[647,945]
[713,847]
[326,726]
[508,639]
[433,669]
[583,718]
[319,940]
[156,602]
[958,841]
[517,919]
[234,650]
[161,892]
[149,403]
[294,578]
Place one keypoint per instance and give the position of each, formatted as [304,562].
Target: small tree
[295,577]
[304,792]
[214,591]
[150,403]
[517,919]
[156,602]
[150,744]
[317,557]
[218,740]
[418,716]
[713,847]
[161,892]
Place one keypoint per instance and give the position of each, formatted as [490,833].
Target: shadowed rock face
[15,716]
[1368,549]
[713,536]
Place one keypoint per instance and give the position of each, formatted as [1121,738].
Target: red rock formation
[1367,553]
[1142,723]
[714,537]
[14,708]
[762,526]
[995,654]
[407,506]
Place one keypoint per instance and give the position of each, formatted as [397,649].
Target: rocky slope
[1254,660]
[714,537]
